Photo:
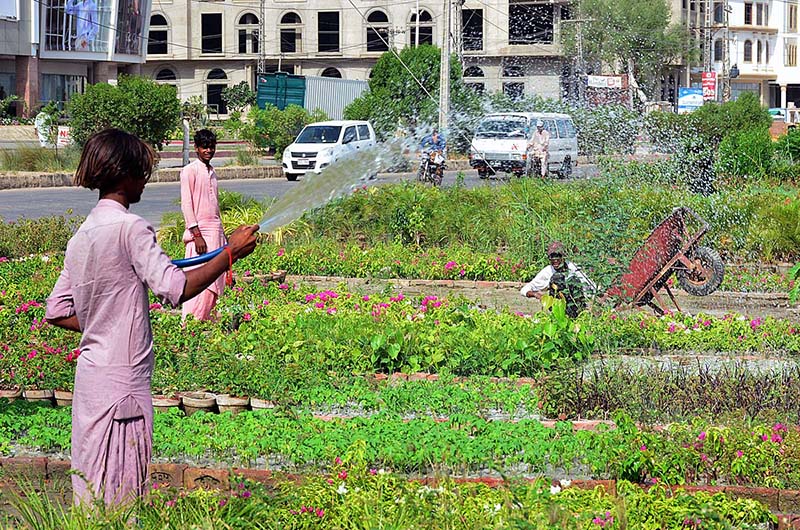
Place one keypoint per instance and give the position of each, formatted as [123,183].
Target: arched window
[759,50]
[291,30]
[166,74]
[425,28]
[331,72]
[718,50]
[748,51]
[719,13]
[247,29]
[473,71]
[512,70]
[158,37]
[377,31]
[216,83]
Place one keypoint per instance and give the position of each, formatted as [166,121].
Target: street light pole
[444,68]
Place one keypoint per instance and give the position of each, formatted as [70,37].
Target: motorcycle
[431,167]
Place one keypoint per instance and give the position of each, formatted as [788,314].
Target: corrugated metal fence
[331,94]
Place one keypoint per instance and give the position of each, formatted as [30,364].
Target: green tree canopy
[628,36]
[396,98]
[137,105]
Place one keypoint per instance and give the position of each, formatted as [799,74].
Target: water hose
[197,260]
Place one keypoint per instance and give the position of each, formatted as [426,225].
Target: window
[760,20]
[473,71]
[748,14]
[211,31]
[349,135]
[165,74]
[291,33]
[331,72]
[514,90]
[791,18]
[479,88]
[214,91]
[159,36]
[565,129]
[472,29]
[719,13]
[512,70]
[247,29]
[759,50]
[748,51]
[59,88]
[328,31]
[377,32]
[425,28]
[363,132]
[718,50]
[530,23]
[790,50]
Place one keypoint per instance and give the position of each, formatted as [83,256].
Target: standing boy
[200,207]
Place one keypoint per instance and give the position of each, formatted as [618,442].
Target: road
[160,198]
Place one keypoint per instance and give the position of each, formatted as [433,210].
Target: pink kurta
[200,207]
[110,263]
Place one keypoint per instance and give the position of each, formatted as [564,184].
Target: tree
[272,128]
[137,105]
[237,97]
[396,98]
[634,37]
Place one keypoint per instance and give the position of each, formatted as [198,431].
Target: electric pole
[444,69]
[262,41]
[708,35]
[726,54]
[416,23]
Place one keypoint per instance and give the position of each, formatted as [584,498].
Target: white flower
[566,483]
[555,489]
[497,507]
[45,258]
[381,471]
[342,489]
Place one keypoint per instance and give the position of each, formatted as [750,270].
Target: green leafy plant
[272,128]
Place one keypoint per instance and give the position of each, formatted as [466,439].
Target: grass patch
[39,159]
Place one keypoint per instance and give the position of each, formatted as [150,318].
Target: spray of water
[336,180]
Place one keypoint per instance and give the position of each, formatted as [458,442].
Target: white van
[320,144]
[501,139]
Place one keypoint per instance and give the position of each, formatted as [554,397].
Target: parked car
[500,142]
[321,144]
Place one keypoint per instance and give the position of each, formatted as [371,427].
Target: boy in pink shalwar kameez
[200,207]
[110,264]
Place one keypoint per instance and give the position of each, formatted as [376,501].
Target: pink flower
[330,482]
[247,317]
[701,436]
[776,438]
[245,494]
[310,297]
[764,437]
[319,305]
[3,259]
[342,474]
[755,323]
[320,513]
[283,287]
[155,306]
[449,265]
[373,471]
[337,461]
[704,457]
[643,448]
[365,298]
[170,503]
[223,502]
[331,311]
[281,252]
[739,454]
[462,272]
[671,328]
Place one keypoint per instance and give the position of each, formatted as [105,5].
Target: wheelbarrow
[671,248]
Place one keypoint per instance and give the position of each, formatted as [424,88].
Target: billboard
[130,23]
[76,25]
[8,10]
[709,83]
[689,99]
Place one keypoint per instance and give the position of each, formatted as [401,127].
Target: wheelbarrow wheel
[708,274]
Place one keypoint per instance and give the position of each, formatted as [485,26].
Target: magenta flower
[643,448]
[337,461]
[283,287]
[739,454]
[701,436]
[776,438]
[281,252]
[342,474]
[310,297]
[223,502]
[319,305]
[450,265]
[320,513]
[365,298]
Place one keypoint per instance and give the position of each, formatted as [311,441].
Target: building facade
[202,47]
[50,49]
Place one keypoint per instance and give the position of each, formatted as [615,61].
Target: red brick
[418,376]
[789,501]
[58,469]
[398,376]
[432,377]
[171,474]
[610,486]
[263,476]
[767,496]
[380,377]
[30,468]
[788,522]
[482,284]
[194,477]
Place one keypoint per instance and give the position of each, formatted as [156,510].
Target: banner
[689,99]
[77,25]
[709,85]
[605,81]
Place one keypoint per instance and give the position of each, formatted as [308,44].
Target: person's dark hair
[205,138]
[111,156]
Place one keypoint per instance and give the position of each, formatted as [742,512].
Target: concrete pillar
[132,69]
[783,96]
[101,72]
[27,72]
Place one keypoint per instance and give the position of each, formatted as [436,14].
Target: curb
[784,503]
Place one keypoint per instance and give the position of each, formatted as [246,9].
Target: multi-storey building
[50,49]
[203,46]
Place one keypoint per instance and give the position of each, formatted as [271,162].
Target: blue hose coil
[197,260]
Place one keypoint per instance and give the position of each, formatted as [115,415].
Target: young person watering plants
[561,279]
[200,207]
[110,264]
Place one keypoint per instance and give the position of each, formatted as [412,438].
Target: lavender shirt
[110,263]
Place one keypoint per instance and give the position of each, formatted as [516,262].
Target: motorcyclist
[539,147]
[561,279]
[431,143]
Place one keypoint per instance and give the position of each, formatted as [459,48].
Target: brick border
[784,503]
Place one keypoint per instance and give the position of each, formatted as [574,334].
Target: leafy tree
[272,128]
[395,98]
[631,36]
[137,105]
[237,97]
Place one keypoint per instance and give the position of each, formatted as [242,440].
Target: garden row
[357,496]
[748,453]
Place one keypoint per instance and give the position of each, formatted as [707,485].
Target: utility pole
[416,31]
[708,35]
[457,21]
[444,69]
[726,54]
[262,41]
[580,60]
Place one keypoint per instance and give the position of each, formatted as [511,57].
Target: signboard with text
[689,99]
[63,139]
[605,81]
[709,84]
